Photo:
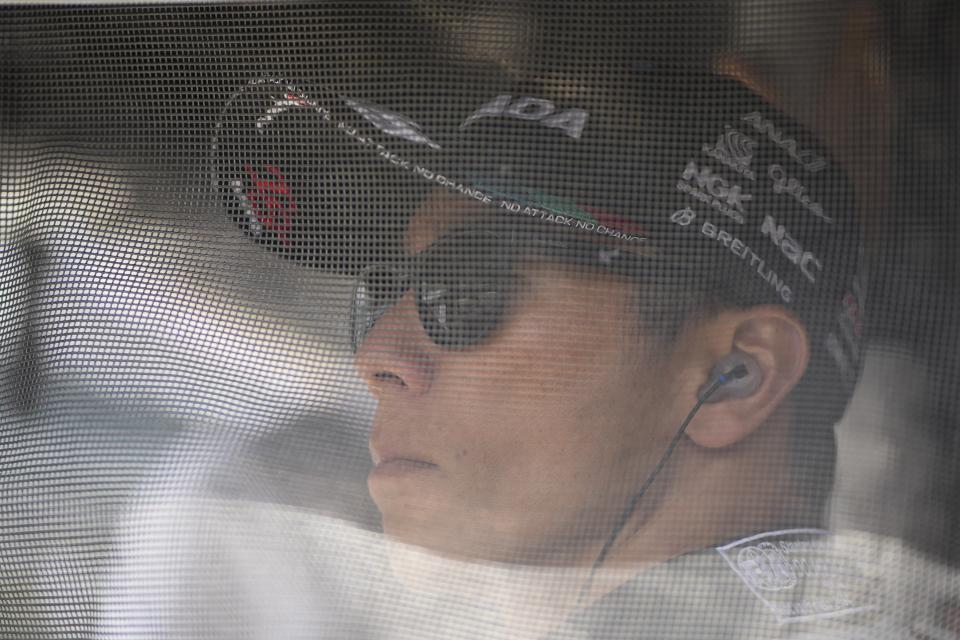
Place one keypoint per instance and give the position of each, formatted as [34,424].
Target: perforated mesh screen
[479,320]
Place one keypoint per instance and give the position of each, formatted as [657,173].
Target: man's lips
[393,454]
[401,466]
[407,462]
[384,454]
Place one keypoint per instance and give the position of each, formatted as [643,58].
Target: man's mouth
[392,456]
[401,466]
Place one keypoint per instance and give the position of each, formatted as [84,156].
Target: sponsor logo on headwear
[570,121]
[272,206]
[734,150]
[701,183]
[799,574]
[268,201]
[844,345]
[391,122]
[790,248]
[782,183]
[287,101]
[810,161]
[851,319]
[561,211]
[736,246]
[612,222]
[520,201]
[683,217]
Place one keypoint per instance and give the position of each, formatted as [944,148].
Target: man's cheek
[491,469]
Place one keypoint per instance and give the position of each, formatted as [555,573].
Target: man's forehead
[440,211]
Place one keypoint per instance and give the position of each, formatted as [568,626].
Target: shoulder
[797,584]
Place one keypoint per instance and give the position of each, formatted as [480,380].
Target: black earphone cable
[739,371]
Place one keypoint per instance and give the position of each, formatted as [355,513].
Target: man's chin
[407,490]
[425,531]
[424,535]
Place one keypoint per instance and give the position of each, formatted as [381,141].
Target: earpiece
[736,375]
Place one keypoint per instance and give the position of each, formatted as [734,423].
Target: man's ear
[778,342]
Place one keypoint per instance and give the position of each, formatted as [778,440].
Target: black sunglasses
[464,281]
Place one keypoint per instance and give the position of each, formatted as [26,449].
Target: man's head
[573,267]
[525,446]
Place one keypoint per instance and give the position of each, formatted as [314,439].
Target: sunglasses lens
[376,290]
[461,311]
[462,295]
[462,290]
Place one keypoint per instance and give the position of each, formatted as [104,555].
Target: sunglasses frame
[572,247]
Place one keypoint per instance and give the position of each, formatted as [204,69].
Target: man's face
[524,446]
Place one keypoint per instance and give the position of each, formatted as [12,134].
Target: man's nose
[396,355]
